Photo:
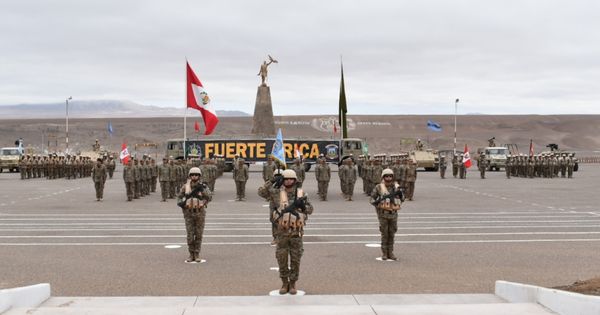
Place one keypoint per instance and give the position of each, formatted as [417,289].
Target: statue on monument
[263,70]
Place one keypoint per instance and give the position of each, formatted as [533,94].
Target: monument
[263,122]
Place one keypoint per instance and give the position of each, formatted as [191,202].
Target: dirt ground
[589,287]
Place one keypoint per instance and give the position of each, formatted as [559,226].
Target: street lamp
[67,138]
[455,111]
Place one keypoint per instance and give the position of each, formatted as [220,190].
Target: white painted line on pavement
[316,243]
[310,235]
[172,246]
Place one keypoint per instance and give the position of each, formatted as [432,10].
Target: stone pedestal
[263,122]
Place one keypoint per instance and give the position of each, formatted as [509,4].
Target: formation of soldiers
[540,166]
[54,166]
[141,175]
[404,168]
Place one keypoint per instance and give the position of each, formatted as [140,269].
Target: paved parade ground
[457,236]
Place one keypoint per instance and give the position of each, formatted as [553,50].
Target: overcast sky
[400,57]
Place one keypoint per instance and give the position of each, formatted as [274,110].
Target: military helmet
[194,171]
[277,172]
[387,171]
[289,174]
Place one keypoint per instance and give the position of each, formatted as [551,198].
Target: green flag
[343,109]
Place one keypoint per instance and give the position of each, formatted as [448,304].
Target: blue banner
[110,128]
[434,126]
[278,151]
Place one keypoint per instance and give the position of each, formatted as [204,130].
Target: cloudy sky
[400,57]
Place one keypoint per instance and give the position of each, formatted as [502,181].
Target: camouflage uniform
[455,165]
[154,176]
[387,214]
[508,166]
[323,175]
[270,191]
[298,167]
[194,213]
[129,179]
[442,167]
[411,178]
[111,167]
[164,175]
[482,164]
[240,176]
[347,174]
[268,169]
[172,179]
[99,177]
[137,173]
[289,239]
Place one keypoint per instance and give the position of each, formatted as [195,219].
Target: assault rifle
[397,194]
[299,203]
[194,192]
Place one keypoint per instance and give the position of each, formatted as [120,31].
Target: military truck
[495,156]
[254,150]
[9,158]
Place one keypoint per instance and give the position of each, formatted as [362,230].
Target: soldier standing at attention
[323,175]
[129,179]
[462,168]
[192,199]
[411,178]
[137,173]
[268,169]
[111,166]
[99,176]
[300,173]
[507,166]
[570,165]
[270,191]
[374,174]
[455,165]
[172,178]
[164,174]
[240,176]
[154,168]
[387,198]
[442,166]
[348,176]
[482,165]
[292,214]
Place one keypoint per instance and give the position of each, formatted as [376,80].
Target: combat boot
[293,290]
[197,257]
[285,286]
[391,254]
[384,254]
[191,258]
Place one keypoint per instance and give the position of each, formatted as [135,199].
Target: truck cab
[496,157]
[9,158]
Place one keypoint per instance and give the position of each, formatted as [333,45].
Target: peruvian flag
[530,147]
[466,157]
[124,156]
[198,99]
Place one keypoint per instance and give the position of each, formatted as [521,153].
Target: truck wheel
[576,167]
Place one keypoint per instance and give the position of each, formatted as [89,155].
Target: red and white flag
[124,156]
[297,152]
[466,157]
[197,98]
[530,147]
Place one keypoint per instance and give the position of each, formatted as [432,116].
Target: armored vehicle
[426,158]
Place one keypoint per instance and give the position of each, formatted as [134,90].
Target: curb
[558,301]
[29,296]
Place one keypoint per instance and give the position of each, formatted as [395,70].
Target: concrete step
[216,301]
[416,309]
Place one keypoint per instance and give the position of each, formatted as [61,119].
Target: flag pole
[186,107]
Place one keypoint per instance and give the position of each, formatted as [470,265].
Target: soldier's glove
[300,203]
[400,195]
[277,181]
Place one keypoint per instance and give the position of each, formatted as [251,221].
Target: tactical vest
[387,204]
[289,221]
[193,203]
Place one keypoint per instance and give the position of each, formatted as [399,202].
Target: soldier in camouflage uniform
[292,214]
[411,178]
[111,166]
[172,178]
[323,175]
[455,165]
[240,176]
[193,199]
[164,174]
[442,166]
[367,170]
[268,169]
[482,164]
[137,174]
[347,173]
[99,177]
[270,191]
[298,167]
[570,166]
[154,176]
[129,179]
[508,166]
[374,174]
[462,168]
[387,198]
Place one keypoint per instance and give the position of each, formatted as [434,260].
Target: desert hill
[383,133]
